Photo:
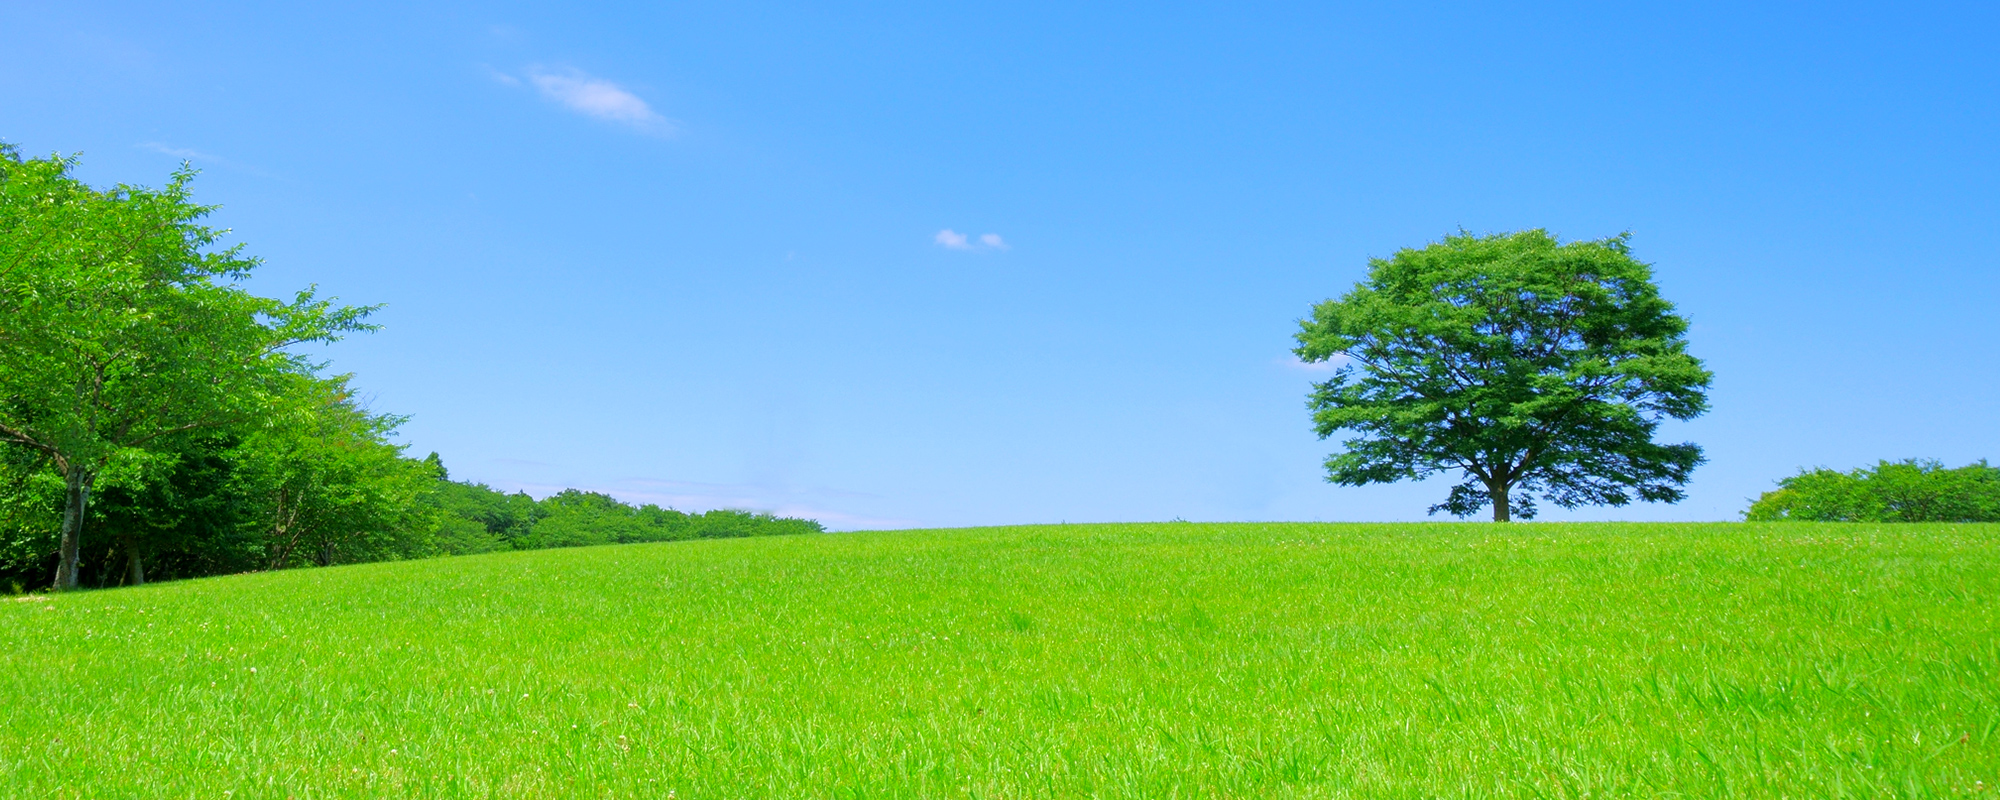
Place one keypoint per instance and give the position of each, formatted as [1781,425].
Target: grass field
[1160,660]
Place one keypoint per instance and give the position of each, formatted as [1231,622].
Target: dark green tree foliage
[1914,490]
[171,514]
[213,508]
[1529,366]
[175,516]
[31,500]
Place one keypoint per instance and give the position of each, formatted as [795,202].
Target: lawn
[1141,660]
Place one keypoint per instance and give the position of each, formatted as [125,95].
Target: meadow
[1135,660]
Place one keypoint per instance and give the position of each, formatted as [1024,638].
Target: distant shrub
[1915,490]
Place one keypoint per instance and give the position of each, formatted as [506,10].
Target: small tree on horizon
[1529,366]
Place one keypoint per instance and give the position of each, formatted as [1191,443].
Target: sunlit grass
[1161,660]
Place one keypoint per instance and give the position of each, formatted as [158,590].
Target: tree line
[1911,490]
[158,420]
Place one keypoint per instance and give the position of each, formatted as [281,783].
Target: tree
[1914,490]
[30,508]
[323,484]
[1530,366]
[169,512]
[119,326]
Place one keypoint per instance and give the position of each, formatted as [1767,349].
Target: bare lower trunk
[1501,511]
[284,533]
[76,501]
[135,573]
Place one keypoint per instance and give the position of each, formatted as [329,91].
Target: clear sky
[897,264]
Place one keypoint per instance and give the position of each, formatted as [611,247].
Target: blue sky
[709,255]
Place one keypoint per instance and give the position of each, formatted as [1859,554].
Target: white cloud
[598,98]
[953,240]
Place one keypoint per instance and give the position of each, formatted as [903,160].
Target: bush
[1915,490]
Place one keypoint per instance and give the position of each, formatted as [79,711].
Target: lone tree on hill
[1530,366]
[119,329]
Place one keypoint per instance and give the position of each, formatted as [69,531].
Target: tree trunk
[1501,511]
[75,501]
[135,572]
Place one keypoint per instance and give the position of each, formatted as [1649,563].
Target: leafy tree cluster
[1913,490]
[223,504]
[156,419]
[313,480]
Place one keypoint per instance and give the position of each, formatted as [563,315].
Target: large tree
[1527,365]
[121,326]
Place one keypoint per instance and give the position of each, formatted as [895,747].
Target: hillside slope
[1154,660]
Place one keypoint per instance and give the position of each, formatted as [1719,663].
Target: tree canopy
[1533,368]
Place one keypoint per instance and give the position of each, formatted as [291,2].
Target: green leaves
[1514,359]
[1913,490]
[185,428]
[114,327]
[118,327]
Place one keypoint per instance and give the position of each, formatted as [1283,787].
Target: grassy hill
[1158,660]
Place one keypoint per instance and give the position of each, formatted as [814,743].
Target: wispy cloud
[178,152]
[199,158]
[592,97]
[953,240]
[500,77]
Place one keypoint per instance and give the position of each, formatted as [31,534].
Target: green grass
[1165,660]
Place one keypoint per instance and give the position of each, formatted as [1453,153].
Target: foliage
[329,485]
[120,326]
[31,501]
[178,517]
[1529,366]
[477,519]
[1796,660]
[323,486]
[573,518]
[1913,490]
[133,370]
